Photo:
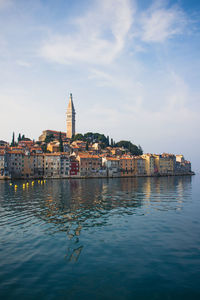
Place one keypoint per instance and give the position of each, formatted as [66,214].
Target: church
[70,125]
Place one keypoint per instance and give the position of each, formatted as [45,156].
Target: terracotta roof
[85,155]
[112,158]
[15,152]
[52,154]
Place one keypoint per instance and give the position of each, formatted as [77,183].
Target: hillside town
[70,155]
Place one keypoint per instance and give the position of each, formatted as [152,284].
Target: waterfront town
[70,155]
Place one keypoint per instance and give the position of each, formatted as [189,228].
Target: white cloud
[160,23]
[99,38]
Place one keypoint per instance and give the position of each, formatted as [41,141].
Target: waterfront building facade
[149,164]
[15,162]
[73,166]
[164,164]
[52,165]
[64,165]
[89,164]
[2,163]
[140,169]
[127,166]
[112,165]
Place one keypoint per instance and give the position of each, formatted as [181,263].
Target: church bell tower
[70,118]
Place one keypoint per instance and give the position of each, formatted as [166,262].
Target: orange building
[89,164]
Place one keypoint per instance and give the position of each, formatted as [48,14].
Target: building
[182,166]
[53,146]
[81,145]
[165,164]
[140,169]
[3,165]
[66,147]
[26,144]
[52,165]
[15,162]
[149,164]
[89,165]
[53,133]
[112,165]
[64,165]
[127,166]
[74,166]
[70,118]
[3,143]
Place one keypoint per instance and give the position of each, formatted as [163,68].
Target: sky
[133,67]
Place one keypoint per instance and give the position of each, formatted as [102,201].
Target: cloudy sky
[133,67]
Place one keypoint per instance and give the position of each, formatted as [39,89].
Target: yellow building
[164,164]
[149,164]
[127,166]
[53,146]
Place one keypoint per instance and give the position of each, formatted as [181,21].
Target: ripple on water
[114,238]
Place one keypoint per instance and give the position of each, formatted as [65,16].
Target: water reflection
[71,206]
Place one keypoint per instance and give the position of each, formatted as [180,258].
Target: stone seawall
[92,176]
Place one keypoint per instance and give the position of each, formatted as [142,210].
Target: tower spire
[70,118]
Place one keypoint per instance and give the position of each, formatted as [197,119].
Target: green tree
[19,137]
[13,140]
[108,141]
[140,149]
[49,138]
[79,137]
[135,150]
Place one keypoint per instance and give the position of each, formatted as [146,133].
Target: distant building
[52,165]
[66,147]
[53,133]
[112,165]
[140,169]
[53,146]
[127,166]
[64,165]
[70,118]
[74,166]
[89,164]
[3,143]
[15,162]
[149,164]
[164,164]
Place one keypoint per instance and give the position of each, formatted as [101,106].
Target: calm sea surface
[131,238]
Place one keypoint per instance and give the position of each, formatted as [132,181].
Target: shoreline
[7,178]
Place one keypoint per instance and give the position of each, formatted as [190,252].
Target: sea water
[124,238]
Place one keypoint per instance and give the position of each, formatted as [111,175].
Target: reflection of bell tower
[70,118]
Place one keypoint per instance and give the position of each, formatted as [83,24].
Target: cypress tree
[13,140]
[19,137]
[108,141]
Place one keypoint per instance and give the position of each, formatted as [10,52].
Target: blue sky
[133,68]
